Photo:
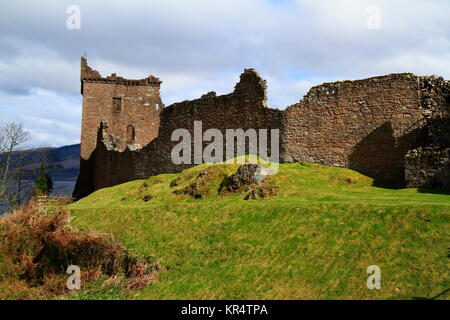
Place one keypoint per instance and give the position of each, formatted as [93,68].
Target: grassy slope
[314,240]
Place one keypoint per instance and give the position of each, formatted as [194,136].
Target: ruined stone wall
[382,126]
[244,108]
[428,167]
[367,125]
[130,107]
[427,164]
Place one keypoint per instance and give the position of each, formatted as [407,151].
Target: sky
[197,46]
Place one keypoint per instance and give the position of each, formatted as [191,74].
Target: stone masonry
[427,165]
[381,126]
[129,108]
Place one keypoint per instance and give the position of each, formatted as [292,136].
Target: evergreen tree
[43,183]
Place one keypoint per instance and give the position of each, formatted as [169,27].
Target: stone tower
[128,109]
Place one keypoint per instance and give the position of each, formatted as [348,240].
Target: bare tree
[12,138]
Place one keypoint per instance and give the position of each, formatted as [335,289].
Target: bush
[37,247]
[43,184]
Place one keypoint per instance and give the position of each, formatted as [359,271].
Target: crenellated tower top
[87,74]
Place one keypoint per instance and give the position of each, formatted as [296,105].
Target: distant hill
[63,163]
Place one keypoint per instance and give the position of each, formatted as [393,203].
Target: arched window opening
[131,134]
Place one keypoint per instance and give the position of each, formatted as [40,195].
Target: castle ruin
[393,128]
[128,108]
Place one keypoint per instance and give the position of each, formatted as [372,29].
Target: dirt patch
[147,198]
[260,192]
[348,181]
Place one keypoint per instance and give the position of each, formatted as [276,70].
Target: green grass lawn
[313,240]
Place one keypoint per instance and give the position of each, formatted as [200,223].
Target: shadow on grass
[433,298]
[434,190]
[387,184]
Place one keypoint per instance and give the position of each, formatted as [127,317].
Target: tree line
[13,156]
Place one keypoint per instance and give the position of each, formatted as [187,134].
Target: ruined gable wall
[367,125]
[245,108]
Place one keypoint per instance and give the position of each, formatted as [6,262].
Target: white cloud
[51,118]
[201,45]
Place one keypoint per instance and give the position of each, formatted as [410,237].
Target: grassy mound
[207,183]
[312,239]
